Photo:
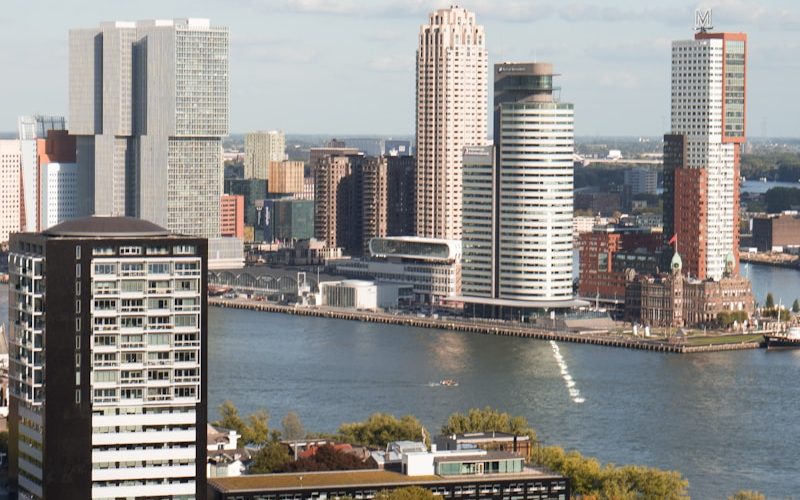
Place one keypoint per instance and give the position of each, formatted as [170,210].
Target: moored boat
[788,340]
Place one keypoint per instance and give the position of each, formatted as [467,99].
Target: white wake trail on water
[574,393]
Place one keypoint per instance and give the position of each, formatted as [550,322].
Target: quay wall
[486,328]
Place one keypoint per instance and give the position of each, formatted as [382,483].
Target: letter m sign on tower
[702,20]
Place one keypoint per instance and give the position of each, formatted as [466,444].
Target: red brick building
[232,216]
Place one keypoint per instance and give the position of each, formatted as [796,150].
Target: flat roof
[107,227]
[347,479]
[534,304]
[490,455]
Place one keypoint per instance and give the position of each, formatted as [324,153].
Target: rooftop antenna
[702,20]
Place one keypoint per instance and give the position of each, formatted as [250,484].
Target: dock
[483,327]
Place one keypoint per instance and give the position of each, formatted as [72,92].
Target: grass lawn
[724,339]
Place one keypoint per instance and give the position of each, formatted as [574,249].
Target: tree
[381,429]
[253,430]
[487,420]
[258,430]
[229,418]
[781,198]
[770,303]
[328,458]
[796,306]
[292,426]
[590,479]
[747,495]
[407,493]
[272,457]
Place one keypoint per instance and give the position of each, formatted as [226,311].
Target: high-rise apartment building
[387,207]
[149,104]
[261,148]
[285,177]
[518,203]
[119,409]
[59,193]
[34,133]
[338,202]
[701,153]
[10,188]
[232,216]
[451,114]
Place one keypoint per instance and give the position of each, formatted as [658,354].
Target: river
[727,421]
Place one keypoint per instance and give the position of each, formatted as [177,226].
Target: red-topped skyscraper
[702,151]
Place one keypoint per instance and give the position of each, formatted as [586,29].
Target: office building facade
[149,104]
[518,205]
[260,149]
[119,409]
[232,216]
[285,177]
[10,188]
[702,151]
[451,94]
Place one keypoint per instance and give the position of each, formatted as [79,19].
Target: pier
[483,327]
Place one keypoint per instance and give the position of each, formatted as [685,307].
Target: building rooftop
[107,227]
[375,477]
[314,479]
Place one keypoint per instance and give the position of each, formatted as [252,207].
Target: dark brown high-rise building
[117,308]
[388,197]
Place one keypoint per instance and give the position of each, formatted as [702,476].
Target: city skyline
[619,52]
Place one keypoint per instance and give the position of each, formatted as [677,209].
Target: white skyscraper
[59,193]
[261,148]
[701,154]
[518,202]
[451,114]
[10,195]
[149,103]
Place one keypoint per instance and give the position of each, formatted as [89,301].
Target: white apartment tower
[261,148]
[10,188]
[518,198]
[451,114]
[149,103]
[117,307]
[701,155]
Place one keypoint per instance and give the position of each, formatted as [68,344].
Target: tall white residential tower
[451,114]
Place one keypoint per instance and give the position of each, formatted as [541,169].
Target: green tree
[590,479]
[292,426]
[406,493]
[781,198]
[272,457]
[747,495]
[380,429]
[230,418]
[257,431]
[487,420]
[796,306]
[724,319]
[770,302]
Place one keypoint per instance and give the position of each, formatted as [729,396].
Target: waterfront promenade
[602,338]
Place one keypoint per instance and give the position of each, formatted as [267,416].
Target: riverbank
[728,342]
[772,259]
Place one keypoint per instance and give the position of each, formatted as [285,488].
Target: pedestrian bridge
[262,283]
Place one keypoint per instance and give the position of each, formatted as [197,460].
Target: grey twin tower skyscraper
[148,102]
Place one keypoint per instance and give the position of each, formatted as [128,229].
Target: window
[77,396]
[132,286]
[77,252]
[130,250]
[100,269]
[158,339]
[158,268]
[183,250]
[77,270]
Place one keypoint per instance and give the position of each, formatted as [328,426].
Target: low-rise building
[431,266]
[361,294]
[776,232]
[447,474]
[499,441]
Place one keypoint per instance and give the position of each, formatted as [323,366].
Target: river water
[727,421]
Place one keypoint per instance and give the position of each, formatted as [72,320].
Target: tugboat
[788,340]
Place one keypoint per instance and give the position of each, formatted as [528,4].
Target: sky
[346,67]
